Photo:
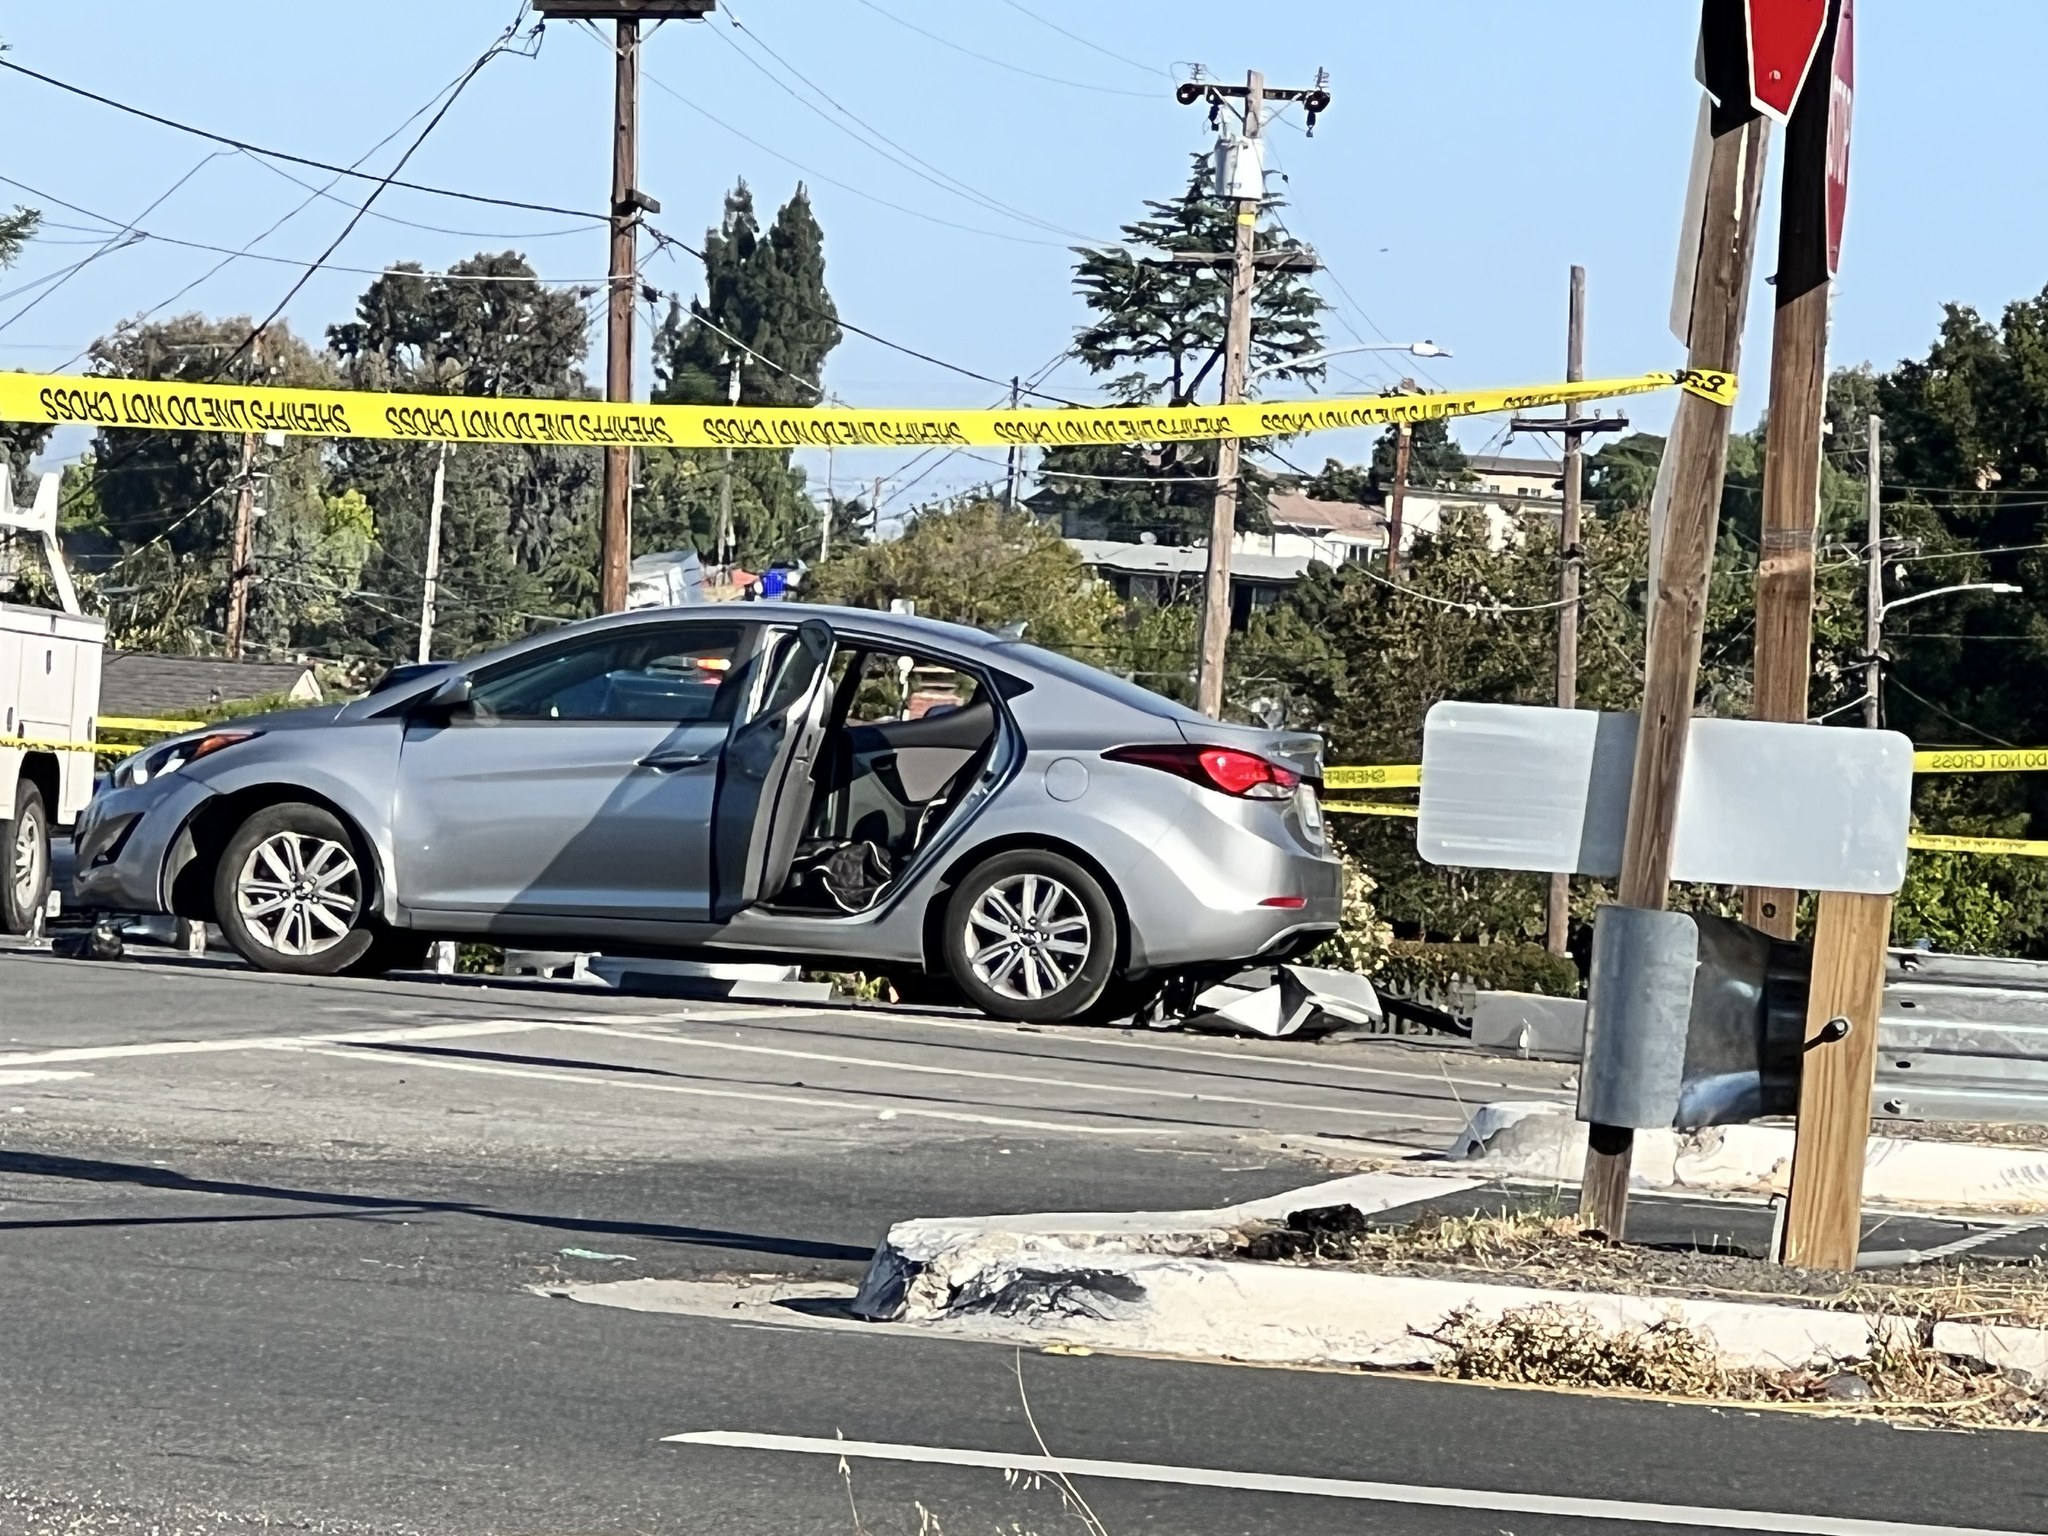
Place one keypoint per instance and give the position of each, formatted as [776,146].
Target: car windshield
[1123,690]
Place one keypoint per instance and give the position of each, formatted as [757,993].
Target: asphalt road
[274,1252]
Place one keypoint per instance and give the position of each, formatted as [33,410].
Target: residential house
[144,685]
[1162,573]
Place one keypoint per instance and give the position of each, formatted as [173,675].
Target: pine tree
[1159,329]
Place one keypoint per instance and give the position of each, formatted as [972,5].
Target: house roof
[1508,464]
[1183,560]
[1298,509]
[143,684]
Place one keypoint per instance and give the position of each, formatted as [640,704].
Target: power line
[498,46]
[1015,69]
[234,252]
[1022,10]
[665,240]
[902,156]
[279,154]
[930,218]
[118,240]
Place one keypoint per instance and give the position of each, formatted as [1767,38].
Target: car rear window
[1121,689]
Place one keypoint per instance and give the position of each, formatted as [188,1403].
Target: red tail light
[1244,774]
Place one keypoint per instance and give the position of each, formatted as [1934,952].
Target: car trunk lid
[1301,751]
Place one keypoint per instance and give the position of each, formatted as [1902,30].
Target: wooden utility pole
[1237,346]
[1677,618]
[1240,178]
[1574,427]
[732,395]
[430,589]
[615,537]
[1873,585]
[1404,440]
[1792,440]
[239,548]
[615,525]
[1557,920]
[1016,468]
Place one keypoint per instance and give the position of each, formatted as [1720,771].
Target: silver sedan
[831,786]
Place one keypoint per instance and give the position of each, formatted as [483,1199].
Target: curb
[1140,1283]
[1545,1141]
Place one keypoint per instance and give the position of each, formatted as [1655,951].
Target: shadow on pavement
[88,1170]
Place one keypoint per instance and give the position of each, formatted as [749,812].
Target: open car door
[765,786]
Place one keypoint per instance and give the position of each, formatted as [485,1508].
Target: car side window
[675,673]
[900,687]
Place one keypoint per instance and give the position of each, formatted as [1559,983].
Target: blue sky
[1475,148]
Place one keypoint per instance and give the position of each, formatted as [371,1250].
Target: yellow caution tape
[64,400]
[1990,760]
[1369,808]
[147,727]
[32,744]
[2025,848]
[1384,776]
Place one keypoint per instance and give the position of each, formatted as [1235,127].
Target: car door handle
[667,762]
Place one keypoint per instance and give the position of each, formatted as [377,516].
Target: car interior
[908,739]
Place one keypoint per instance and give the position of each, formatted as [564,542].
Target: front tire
[24,860]
[291,892]
[1031,936]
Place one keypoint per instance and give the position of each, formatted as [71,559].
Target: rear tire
[291,892]
[24,860]
[1031,936]
[392,949]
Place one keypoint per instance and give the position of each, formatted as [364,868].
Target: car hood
[1300,750]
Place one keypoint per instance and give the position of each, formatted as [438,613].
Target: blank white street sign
[1801,807]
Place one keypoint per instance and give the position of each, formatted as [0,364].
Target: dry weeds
[1547,1247]
[1550,1345]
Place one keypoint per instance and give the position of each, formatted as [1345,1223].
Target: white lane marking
[1124,1043]
[861,1109]
[1036,1082]
[1339,1488]
[265,1042]
[16,1079]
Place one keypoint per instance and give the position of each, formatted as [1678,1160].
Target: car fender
[354,769]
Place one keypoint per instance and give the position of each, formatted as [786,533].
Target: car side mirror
[451,697]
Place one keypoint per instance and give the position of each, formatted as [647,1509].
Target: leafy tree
[1158,329]
[765,311]
[1434,460]
[161,505]
[518,536]
[974,563]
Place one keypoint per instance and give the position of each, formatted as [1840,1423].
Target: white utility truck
[49,701]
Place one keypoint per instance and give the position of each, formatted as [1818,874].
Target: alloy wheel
[1028,936]
[27,861]
[299,894]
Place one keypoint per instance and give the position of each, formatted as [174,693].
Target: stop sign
[1841,92]
[1784,35]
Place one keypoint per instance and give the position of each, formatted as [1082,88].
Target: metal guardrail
[1963,1038]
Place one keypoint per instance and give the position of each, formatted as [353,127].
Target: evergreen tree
[766,312]
[19,441]
[1158,329]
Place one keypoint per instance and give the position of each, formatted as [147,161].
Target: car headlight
[173,755]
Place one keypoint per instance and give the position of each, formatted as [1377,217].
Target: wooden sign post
[1824,1219]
